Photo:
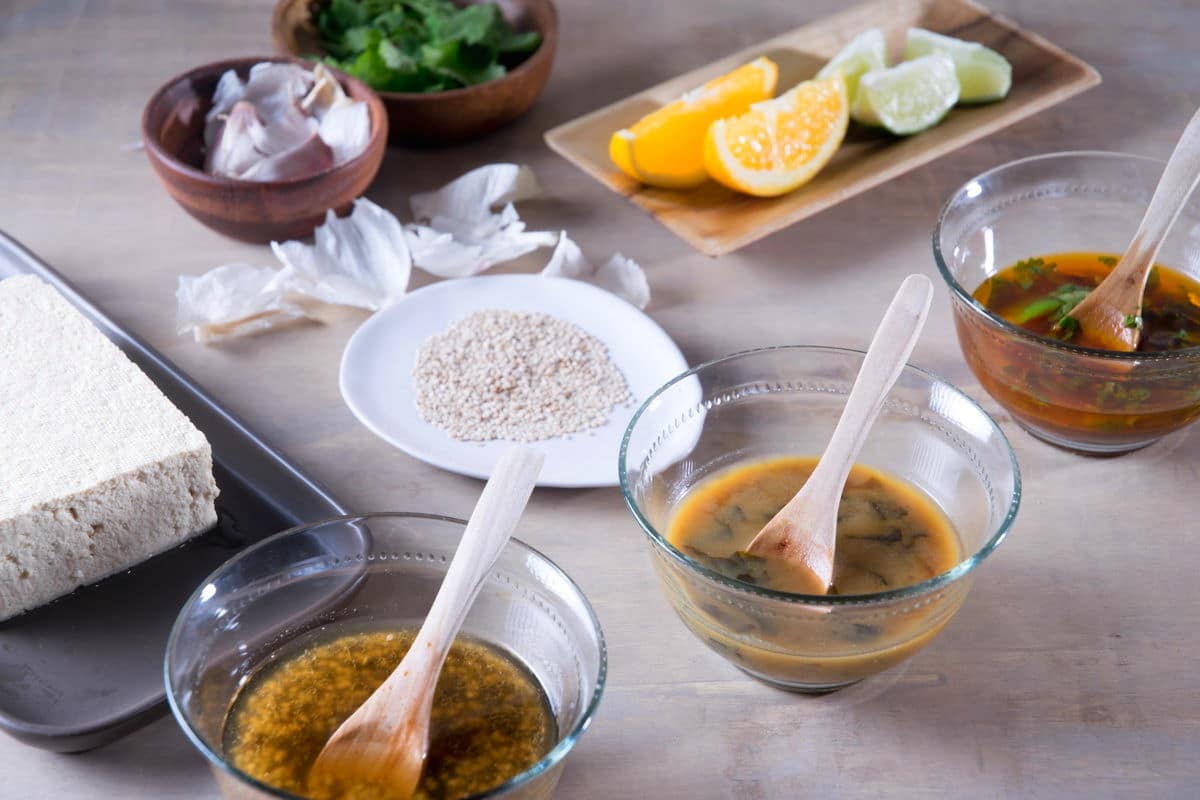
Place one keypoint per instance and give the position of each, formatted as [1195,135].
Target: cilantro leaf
[525,42]
[421,45]
[341,15]
[1066,328]
[472,24]
[368,66]
[1029,269]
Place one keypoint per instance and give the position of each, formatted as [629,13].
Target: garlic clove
[310,157]
[233,150]
[346,128]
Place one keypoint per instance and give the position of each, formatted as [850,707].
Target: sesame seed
[520,376]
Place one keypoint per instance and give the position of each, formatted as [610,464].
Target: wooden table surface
[1072,669]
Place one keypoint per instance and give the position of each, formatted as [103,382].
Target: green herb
[1055,305]
[421,45]
[1132,321]
[1066,328]
[741,566]
[1108,261]
[1038,309]
[1028,270]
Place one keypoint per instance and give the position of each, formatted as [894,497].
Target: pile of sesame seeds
[518,376]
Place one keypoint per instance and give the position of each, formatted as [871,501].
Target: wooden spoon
[385,741]
[1110,316]
[798,543]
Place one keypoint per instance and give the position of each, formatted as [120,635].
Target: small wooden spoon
[1110,316]
[798,543]
[385,741]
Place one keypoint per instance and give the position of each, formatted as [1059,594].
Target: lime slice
[909,97]
[983,74]
[864,53]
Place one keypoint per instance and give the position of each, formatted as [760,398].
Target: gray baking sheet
[87,668]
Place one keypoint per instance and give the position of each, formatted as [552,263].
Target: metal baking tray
[87,668]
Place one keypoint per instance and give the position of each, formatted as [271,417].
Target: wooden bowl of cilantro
[446,72]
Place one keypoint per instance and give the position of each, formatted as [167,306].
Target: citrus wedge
[780,144]
[908,97]
[864,53]
[983,74]
[666,147]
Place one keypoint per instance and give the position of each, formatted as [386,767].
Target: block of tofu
[98,470]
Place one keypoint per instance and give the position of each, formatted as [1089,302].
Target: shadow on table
[157,759]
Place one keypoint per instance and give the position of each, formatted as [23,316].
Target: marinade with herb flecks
[889,535]
[1037,294]
[1086,400]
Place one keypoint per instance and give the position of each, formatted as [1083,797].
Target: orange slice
[780,144]
[666,147]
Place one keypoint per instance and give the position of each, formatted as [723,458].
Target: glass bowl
[785,401]
[379,569]
[1092,401]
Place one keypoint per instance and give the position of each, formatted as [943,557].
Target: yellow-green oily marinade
[491,720]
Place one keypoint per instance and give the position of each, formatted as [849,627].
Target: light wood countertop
[1072,669]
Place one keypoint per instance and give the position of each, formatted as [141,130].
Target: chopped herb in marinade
[1054,306]
[1071,399]
[888,534]
[1027,271]
[739,565]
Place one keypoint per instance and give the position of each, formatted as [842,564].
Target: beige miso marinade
[890,535]
[491,720]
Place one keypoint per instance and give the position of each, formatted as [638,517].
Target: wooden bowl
[253,211]
[456,115]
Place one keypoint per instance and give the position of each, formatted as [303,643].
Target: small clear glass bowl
[1092,401]
[785,401]
[380,569]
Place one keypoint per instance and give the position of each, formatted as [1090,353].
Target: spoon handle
[894,340]
[492,523]
[1178,180]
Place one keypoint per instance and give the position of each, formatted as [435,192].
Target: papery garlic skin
[366,258]
[359,260]
[234,300]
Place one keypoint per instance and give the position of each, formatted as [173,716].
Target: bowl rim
[963,567]
[549,37]
[1185,353]
[150,139]
[550,760]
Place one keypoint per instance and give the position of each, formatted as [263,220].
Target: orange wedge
[780,144]
[666,147]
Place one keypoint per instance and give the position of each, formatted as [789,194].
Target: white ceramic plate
[377,381]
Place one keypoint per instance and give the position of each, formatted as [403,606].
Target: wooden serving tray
[716,221]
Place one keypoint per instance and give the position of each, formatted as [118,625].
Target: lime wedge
[983,74]
[909,97]
[864,53]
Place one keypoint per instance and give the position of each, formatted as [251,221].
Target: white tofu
[98,470]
